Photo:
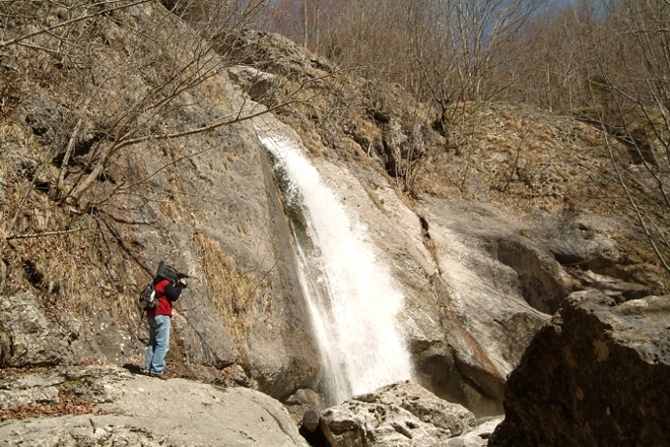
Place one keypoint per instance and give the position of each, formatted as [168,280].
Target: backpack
[148,298]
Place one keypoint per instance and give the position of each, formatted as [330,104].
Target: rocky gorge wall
[479,278]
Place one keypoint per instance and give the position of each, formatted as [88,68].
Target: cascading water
[350,294]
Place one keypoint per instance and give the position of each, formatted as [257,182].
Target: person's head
[310,420]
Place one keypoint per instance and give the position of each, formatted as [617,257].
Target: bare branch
[633,202]
[70,148]
[6,43]
[45,233]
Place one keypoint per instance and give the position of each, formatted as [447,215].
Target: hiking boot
[159,376]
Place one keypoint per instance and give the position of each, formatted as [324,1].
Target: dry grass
[431,246]
[379,202]
[68,405]
[67,259]
[233,291]
[97,267]
[523,158]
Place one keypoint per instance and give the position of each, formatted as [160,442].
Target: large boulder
[401,414]
[103,406]
[478,436]
[596,374]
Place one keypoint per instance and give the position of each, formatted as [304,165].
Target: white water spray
[350,294]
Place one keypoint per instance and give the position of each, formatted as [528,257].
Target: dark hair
[310,417]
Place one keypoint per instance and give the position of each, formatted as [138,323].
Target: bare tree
[638,114]
[114,100]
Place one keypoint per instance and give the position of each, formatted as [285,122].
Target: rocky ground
[104,406]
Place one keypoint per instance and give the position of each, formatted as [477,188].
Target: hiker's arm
[172,293]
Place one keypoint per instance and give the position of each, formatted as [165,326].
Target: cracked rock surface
[121,408]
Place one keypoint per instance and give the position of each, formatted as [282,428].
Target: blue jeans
[159,344]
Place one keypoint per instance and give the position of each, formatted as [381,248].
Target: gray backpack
[148,299]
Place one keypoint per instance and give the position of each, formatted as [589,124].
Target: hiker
[310,429]
[159,319]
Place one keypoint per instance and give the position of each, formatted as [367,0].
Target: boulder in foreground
[596,375]
[105,406]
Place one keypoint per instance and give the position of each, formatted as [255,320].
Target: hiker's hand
[181,283]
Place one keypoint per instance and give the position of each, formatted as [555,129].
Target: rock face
[596,375]
[466,317]
[27,337]
[114,407]
[243,304]
[401,414]
[486,319]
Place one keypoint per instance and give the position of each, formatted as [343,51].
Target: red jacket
[166,294]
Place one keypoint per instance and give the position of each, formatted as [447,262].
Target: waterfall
[352,299]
